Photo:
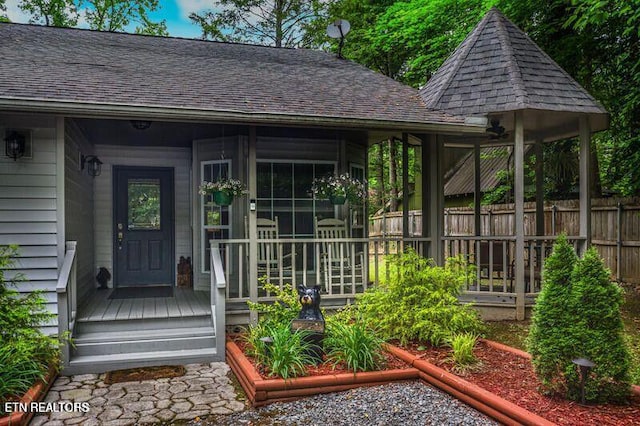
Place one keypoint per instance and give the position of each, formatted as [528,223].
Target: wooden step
[143,341]
[134,325]
[103,363]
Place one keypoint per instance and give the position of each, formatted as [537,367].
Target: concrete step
[104,363]
[151,341]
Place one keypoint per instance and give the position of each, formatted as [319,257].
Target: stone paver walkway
[204,389]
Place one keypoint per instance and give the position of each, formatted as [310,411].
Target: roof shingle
[82,66]
[498,68]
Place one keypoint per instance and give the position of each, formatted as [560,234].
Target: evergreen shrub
[419,301]
[551,346]
[577,315]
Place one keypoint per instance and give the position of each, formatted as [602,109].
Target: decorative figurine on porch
[311,319]
[103,278]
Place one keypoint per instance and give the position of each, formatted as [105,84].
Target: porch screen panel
[284,191]
[216,220]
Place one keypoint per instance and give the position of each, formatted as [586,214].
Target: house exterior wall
[79,222]
[120,155]
[29,206]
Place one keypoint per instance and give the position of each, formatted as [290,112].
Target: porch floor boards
[184,303]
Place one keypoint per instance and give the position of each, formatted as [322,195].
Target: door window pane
[143,204]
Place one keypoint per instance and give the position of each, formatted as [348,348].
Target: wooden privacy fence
[615,227]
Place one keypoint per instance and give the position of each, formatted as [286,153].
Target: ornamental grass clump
[577,315]
[354,344]
[25,352]
[462,345]
[419,301]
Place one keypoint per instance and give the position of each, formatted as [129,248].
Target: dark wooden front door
[143,226]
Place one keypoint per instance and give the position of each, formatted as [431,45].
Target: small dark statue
[311,320]
[103,278]
[310,301]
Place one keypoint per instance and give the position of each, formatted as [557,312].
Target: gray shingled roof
[460,179]
[499,68]
[88,67]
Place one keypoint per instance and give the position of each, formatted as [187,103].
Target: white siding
[116,155]
[28,206]
[78,190]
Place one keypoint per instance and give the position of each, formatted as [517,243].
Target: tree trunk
[393,175]
[278,13]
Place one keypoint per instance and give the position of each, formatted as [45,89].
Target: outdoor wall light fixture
[141,124]
[15,145]
[585,366]
[93,163]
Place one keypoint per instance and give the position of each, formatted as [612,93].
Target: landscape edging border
[35,393]
[265,391]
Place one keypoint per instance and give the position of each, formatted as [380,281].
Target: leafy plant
[354,344]
[424,301]
[462,345]
[25,352]
[230,186]
[285,308]
[339,186]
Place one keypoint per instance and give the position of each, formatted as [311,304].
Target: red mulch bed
[511,377]
[392,363]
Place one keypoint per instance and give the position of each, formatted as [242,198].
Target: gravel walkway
[405,403]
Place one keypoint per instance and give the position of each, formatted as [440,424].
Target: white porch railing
[494,260]
[343,267]
[218,294]
[67,290]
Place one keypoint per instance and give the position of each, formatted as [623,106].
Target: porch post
[539,188]
[405,185]
[519,214]
[433,203]
[477,191]
[253,233]
[585,181]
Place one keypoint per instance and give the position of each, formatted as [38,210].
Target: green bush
[598,332]
[283,310]
[462,345]
[354,344]
[578,315]
[419,301]
[551,346]
[25,352]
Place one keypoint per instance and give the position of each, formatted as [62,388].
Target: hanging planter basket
[337,200]
[222,198]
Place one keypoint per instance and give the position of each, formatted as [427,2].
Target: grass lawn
[513,333]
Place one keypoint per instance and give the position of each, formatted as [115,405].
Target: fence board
[614,233]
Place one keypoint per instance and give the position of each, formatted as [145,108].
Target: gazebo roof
[498,69]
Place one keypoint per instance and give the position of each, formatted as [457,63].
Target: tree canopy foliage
[595,41]
[279,23]
[102,15]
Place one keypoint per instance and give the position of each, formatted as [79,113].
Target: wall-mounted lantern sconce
[93,163]
[15,145]
[141,124]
